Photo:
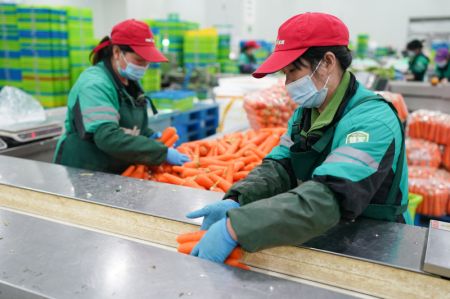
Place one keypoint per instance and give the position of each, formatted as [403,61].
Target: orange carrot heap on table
[216,164]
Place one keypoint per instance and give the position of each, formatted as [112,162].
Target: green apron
[79,149]
[306,157]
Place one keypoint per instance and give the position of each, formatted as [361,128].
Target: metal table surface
[47,259]
[421,95]
[394,244]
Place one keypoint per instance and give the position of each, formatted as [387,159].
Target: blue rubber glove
[155,135]
[213,212]
[217,244]
[176,158]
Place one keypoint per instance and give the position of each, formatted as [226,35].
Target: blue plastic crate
[198,123]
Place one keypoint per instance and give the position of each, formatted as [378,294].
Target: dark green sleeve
[270,178]
[111,139]
[290,218]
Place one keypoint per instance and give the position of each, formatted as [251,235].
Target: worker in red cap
[247,60]
[342,157]
[106,127]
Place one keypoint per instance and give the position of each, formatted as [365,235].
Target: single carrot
[190,237]
[190,172]
[204,181]
[173,179]
[240,175]
[172,141]
[220,182]
[139,172]
[216,189]
[270,143]
[193,184]
[229,173]
[260,138]
[167,134]
[250,166]
[234,147]
[129,170]
[250,159]
[238,165]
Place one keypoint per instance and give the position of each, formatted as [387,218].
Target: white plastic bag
[17,107]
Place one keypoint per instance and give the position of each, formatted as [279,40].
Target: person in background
[107,122]
[418,63]
[442,65]
[247,60]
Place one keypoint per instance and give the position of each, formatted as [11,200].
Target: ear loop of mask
[317,67]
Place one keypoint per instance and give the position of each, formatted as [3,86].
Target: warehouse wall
[386,21]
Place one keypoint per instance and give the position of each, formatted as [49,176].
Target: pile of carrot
[399,103]
[169,137]
[420,152]
[430,125]
[446,157]
[217,164]
[269,108]
[435,195]
[434,186]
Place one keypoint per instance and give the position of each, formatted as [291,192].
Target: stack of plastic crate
[172,31]
[44,57]
[10,71]
[181,100]
[80,38]
[200,47]
[152,78]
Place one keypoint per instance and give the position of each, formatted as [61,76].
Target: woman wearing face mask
[247,60]
[442,65]
[342,157]
[418,62]
[106,123]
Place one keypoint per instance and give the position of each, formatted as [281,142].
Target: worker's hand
[217,244]
[213,212]
[155,135]
[176,158]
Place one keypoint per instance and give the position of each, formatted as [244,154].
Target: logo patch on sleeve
[357,137]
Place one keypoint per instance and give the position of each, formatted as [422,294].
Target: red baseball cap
[138,36]
[251,44]
[298,34]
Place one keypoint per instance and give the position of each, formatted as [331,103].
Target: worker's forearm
[266,180]
[290,218]
[134,149]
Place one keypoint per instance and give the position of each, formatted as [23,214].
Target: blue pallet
[201,112]
[424,220]
[198,123]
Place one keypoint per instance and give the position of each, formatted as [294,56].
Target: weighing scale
[437,255]
[18,134]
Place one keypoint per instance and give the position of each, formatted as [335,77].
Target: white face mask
[441,63]
[304,92]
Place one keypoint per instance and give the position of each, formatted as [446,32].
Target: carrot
[139,172]
[250,159]
[190,172]
[167,134]
[172,141]
[216,189]
[239,165]
[229,173]
[237,264]
[234,147]
[226,157]
[173,179]
[205,162]
[204,181]
[186,247]
[270,143]
[129,170]
[259,138]
[250,166]
[191,237]
[192,183]
[220,182]
[240,175]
